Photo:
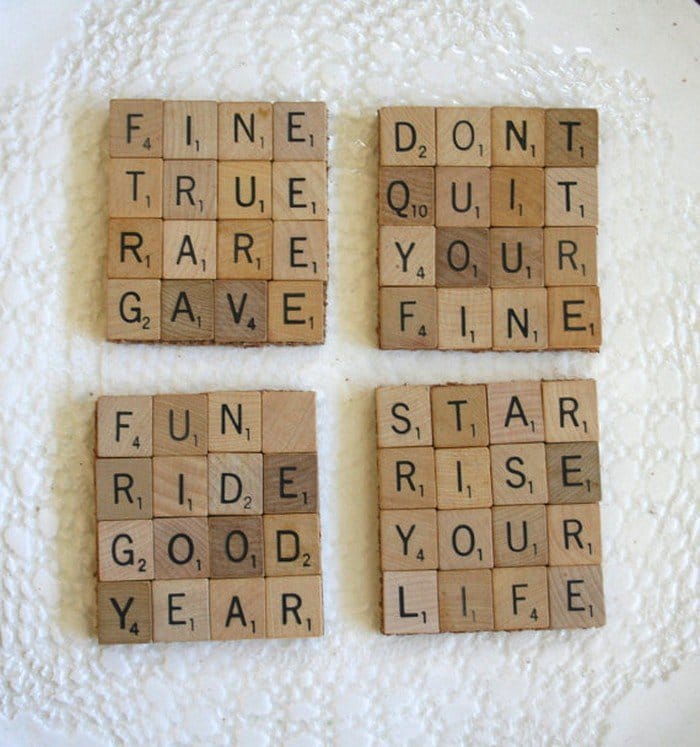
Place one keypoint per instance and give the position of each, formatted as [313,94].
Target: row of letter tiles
[217,609]
[553,318]
[526,598]
[207,190]
[248,131]
[150,248]
[245,312]
[472,197]
[480,136]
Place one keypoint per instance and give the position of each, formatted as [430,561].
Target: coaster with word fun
[489,507]
[207,517]
[217,222]
[487,229]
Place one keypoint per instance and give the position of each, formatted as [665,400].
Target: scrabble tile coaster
[487,229]
[207,517]
[217,222]
[489,507]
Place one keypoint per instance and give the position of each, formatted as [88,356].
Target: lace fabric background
[353,687]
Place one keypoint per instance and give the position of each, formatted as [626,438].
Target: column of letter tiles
[489,507]
[207,517]
[487,228]
[217,230]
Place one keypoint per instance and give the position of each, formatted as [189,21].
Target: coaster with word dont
[487,229]
[217,222]
[489,507]
[207,517]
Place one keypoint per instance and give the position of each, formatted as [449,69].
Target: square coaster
[489,507]
[207,517]
[217,222]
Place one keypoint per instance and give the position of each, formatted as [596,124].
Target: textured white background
[635,681]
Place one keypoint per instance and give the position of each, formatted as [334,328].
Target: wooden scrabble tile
[300,130]
[576,596]
[133,310]
[516,257]
[464,539]
[465,600]
[288,422]
[407,255]
[235,484]
[462,257]
[124,612]
[407,136]
[517,136]
[292,544]
[181,610]
[125,426]
[463,478]
[125,550]
[573,314]
[135,248]
[459,415]
[189,190]
[236,546]
[244,249]
[520,598]
[179,424]
[573,473]
[463,136]
[517,196]
[519,474]
[409,540]
[404,416]
[245,131]
[519,536]
[181,548]
[187,310]
[294,607]
[135,188]
[245,190]
[410,602]
[135,128]
[571,197]
[407,478]
[300,250]
[189,249]
[571,137]
[190,129]
[519,318]
[570,255]
[180,486]
[462,196]
[296,311]
[237,608]
[299,190]
[574,536]
[408,318]
[515,412]
[235,421]
[240,311]
[290,483]
[406,196]
[123,489]
[570,410]
[464,319]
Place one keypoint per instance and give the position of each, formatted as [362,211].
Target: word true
[217,229]
[487,228]
[207,517]
[488,507]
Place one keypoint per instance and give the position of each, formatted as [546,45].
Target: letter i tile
[489,507]
[207,517]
